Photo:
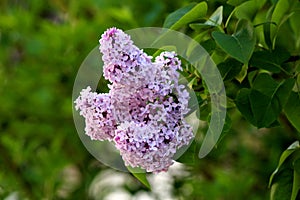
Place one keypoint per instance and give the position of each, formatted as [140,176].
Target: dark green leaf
[297,164]
[262,105]
[185,15]
[189,156]
[251,76]
[209,45]
[241,44]
[244,106]
[285,90]
[292,110]
[229,69]
[267,27]
[235,2]
[263,80]
[296,182]
[270,61]
[264,108]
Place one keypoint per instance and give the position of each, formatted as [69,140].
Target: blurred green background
[42,44]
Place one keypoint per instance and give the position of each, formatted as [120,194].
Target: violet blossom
[144,111]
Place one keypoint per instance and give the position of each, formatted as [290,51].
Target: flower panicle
[143,114]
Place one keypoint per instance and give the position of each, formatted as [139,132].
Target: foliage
[263,68]
[255,44]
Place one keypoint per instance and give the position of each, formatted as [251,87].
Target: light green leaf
[249,9]
[294,22]
[241,44]
[140,175]
[291,149]
[297,85]
[280,14]
[243,73]
[214,20]
[292,110]
[185,15]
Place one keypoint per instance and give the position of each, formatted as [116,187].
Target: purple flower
[144,111]
[98,114]
[120,56]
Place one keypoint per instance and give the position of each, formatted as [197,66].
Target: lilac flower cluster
[143,114]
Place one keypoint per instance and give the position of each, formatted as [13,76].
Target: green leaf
[294,22]
[297,84]
[281,8]
[296,182]
[270,61]
[251,76]
[200,26]
[243,104]
[267,27]
[282,188]
[214,20]
[189,156]
[249,9]
[292,110]
[229,69]
[261,81]
[265,109]
[280,14]
[291,149]
[241,44]
[209,45]
[284,91]
[185,15]
[140,175]
[262,105]
[243,73]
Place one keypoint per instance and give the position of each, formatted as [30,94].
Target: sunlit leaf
[140,175]
[249,9]
[214,20]
[291,149]
[185,15]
